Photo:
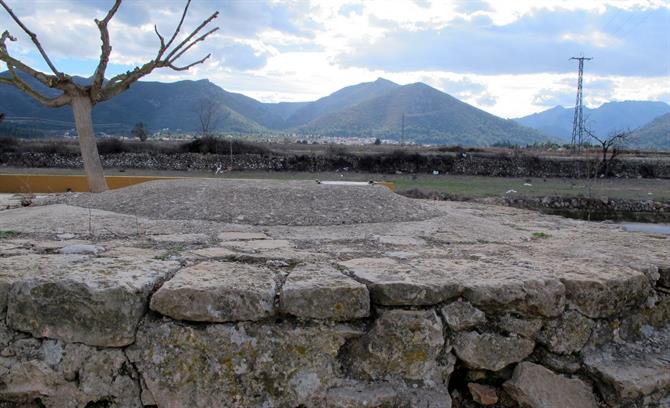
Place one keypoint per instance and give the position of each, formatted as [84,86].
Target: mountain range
[372,109]
[609,117]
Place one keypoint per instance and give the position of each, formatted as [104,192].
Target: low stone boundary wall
[129,330]
[469,164]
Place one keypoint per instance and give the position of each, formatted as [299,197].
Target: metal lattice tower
[578,121]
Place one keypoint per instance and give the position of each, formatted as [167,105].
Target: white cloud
[289,51]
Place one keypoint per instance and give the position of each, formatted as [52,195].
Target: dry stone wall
[476,164]
[457,310]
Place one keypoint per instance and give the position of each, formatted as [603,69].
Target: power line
[578,120]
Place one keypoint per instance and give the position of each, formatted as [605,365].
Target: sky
[510,58]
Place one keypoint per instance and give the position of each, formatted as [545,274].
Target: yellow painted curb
[53,183]
[56,183]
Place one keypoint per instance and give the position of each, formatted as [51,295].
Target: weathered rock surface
[96,301]
[461,315]
[580,278]
[431,281]
[218,292]
[491,351]
[81,249]
[402,344]
[483,394]
[628,373]
[362,395]
[241,236]
[525,327]
[606,293]
[392,283]
[319,291]
[180,238]
[237,365]
[537,387]
[567,334]
[59,375]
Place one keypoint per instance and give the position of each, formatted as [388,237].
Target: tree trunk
[81,106]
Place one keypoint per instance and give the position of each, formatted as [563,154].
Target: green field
[462,186]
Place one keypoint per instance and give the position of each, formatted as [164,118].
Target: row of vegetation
[206,145]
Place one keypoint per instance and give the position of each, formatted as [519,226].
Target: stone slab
[430,281]
[218,292]
[75,298]
[491,351]
[319,291]
[535,386]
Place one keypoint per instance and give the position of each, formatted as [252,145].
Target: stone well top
[197,241]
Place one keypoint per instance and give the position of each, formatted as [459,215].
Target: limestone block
[461,315]
[218,292]
[95,301]
[319,291]
[392,283]
[491,351]
[402,344]
[537,387]
[525,327]
[567,334]
[238,365]
[603,293]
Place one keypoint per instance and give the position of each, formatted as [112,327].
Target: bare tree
[209,115]
[82,98]
[611,145]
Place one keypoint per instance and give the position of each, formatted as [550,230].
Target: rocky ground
[217,295]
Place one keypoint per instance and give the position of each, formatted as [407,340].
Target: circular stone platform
[257,202]
[560,312]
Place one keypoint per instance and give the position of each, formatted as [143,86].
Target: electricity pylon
[578,121]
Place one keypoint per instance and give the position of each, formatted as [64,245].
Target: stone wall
[127,330]
[469,304]
[481,164]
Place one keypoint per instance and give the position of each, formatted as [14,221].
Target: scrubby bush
[214,145]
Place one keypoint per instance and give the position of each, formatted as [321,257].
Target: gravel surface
[257,202]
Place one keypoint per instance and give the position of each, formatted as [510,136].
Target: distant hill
[371,109]
[431,116]
[610,117]
[654,135]
[338,101]
[159,105]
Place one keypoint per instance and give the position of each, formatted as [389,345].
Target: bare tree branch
[32,36]
[105,48]
[187,67]
[176,31]
[188,39]
[17,82]
[160,37]
[197,40]
[121,82]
